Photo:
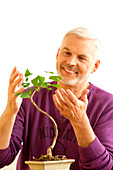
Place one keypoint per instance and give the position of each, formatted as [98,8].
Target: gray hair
[84,33]
[87,34]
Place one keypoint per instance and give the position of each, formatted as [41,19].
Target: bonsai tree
[39,82]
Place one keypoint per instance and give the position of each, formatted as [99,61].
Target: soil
[50,158]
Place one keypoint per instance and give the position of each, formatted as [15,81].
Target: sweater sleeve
[99,155]
[8,155]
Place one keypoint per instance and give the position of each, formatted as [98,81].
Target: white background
[31,32]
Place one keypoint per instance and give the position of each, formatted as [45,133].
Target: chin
[70,82]
[67,81]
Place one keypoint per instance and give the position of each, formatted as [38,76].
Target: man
[82,111]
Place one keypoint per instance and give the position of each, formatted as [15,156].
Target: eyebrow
[65,48]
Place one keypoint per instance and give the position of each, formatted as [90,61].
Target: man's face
[76,60]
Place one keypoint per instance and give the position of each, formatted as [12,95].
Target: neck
[76,89]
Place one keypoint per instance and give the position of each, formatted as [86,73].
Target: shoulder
[100,94]
[100,105]
[99,99]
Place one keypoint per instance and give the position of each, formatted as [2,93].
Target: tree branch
[50,148]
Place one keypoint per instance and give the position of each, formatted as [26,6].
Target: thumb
[84,96]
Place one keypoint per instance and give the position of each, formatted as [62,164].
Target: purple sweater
[33,132]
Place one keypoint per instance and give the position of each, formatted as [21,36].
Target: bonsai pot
[50,165]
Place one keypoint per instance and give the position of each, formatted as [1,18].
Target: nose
[72,60]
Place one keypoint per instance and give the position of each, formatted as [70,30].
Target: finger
[20,90]
[13,77]
[60,98]
[22,77]
[72,97]
[55,99]
[57,103]
[64,110]
[14,70]
[84,96]
[16,83]
[66,98]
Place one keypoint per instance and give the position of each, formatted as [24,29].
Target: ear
[96,66]
[57,53]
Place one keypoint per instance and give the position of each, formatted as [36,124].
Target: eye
[67,53]
[81,57]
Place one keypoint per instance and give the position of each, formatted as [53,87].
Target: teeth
[69,71]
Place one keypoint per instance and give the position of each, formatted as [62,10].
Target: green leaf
[55,85]
[27,73]
[18,94]
[29,91]
[55,78]
[49,72]
[25,95]
[38,81]
[25,84]
[49,88]
[46,84]
[35,81]
[26,79]
[41,80]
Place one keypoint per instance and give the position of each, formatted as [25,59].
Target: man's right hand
[7,119]
[15,87]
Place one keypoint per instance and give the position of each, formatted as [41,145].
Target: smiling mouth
[70,71]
